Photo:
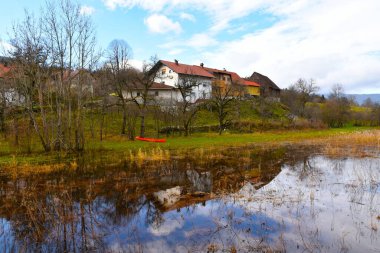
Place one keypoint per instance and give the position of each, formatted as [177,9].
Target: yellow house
[252,88]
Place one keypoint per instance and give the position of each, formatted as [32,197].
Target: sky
[330,41]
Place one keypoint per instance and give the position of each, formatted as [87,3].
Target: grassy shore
[115,147]
[212,140]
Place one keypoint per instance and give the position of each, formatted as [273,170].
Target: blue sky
[329,41]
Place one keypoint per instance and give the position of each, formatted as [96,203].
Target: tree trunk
[142,126]
[15,128]
[101,127]
[124,124]
[220,115]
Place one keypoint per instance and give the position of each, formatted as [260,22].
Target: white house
[173,73]
[162,93]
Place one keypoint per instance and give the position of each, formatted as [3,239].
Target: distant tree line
[336,110]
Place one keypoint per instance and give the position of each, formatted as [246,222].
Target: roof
[234,77]
[3,70]
[187,69]
[263,80]
[161,86]
[155,86]
[249,83]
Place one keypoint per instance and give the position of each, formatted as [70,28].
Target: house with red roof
[173,73]
[158,92]
[245,87]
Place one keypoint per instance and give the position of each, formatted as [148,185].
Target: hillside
[360,98]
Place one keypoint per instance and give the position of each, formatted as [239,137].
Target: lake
[288,199]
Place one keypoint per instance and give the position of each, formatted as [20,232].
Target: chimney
[224,69]
[202,64]
[176,61]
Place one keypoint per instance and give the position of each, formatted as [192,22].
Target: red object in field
[150,139]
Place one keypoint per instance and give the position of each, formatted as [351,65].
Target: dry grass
[334,144]
[154,154]
[26,170]
[357,144]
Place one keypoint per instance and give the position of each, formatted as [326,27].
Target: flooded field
[235,200]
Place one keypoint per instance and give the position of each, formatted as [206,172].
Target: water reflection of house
[203,186]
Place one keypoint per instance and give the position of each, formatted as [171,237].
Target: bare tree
[30,73]
[186,107]
[302,89]
[336,111]
[102,90]
[119,54]
[143,81]
[53,56]
[222,97]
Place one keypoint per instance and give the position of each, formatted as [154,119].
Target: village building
[173,73]
[267,87]
[8,95]
[158,92]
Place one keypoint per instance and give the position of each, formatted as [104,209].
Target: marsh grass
[357,144]
[353,141]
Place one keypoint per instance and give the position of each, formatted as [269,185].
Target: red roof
[155,86]
[187,69]
[250,83]
[207,72]
[4,70]
[234,77]
[161,86]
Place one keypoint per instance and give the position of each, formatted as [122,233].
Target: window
[204,85]
[138,93]
[156,93]
[163,71]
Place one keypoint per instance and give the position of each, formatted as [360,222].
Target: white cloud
[175,51]
[166,228]
[331,41]
[187,16]
[5,47]
[220,11]
[157,23]
[135,63]
[87,10]
[157,5]
[201,40]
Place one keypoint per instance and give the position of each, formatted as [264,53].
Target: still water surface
[236,200]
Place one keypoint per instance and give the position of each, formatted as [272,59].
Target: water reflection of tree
[72,211]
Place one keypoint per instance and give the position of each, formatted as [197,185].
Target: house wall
[223,77]
[164,95]
[169,77]
[253,91]
[203,90]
